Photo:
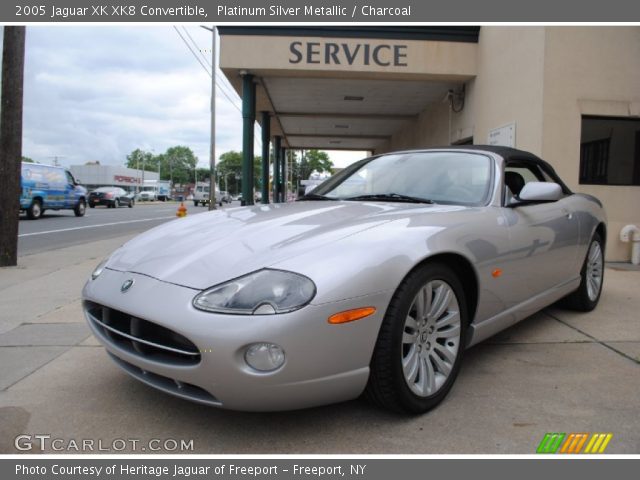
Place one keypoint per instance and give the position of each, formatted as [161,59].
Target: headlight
[265,292]
[98,270]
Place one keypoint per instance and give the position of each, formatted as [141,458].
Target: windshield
[442,177]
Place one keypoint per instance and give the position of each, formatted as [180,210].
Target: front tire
[34,211]
[421,342]
[587,296]
[80,209]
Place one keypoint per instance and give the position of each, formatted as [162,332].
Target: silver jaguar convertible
[375,283]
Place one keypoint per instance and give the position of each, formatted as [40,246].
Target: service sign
[337,53]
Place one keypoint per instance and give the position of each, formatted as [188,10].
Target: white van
[201,195]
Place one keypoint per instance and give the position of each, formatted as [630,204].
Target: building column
[281,175]
[248,121]
[285,170]
[266,138]
[276,168]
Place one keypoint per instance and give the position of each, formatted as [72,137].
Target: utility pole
[212,146]
[11,142]
[55,159]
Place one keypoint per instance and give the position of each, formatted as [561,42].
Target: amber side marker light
[351,315]
[496,273]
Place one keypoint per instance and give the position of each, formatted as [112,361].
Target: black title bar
[331,11]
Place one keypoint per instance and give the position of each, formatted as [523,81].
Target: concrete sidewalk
[558,371]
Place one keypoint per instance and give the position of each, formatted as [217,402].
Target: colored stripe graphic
[598,443]
[573,443]
[550,443]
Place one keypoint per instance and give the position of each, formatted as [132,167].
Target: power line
[212,75]
[195,55]
[196,45]
[205,68]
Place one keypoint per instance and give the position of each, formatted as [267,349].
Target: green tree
[27,160]
[229,167]
[179,163]
[140,159]
[313,161]
[203,174]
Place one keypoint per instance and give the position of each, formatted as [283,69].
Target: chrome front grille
[141,337]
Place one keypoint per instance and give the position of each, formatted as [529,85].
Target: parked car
[225,197]
[111,197]
[375,283]
[47,187]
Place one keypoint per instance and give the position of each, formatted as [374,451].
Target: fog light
[264,357]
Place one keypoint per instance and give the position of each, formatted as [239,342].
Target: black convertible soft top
[510,155]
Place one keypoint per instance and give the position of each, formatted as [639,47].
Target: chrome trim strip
[136,339]
[132,370]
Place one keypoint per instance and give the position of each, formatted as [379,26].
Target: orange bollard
[182,211]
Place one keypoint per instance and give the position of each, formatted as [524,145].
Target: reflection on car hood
[209,248]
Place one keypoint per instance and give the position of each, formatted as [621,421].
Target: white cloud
[97,93]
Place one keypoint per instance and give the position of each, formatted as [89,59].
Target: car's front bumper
[100,201]
[324,363]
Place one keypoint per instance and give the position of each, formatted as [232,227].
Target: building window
[594,161]
[610,151]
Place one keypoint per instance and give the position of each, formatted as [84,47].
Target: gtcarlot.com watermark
[46,442]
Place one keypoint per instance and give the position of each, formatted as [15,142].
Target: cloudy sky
[97,93]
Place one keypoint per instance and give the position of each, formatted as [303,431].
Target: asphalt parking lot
[56,229]
[557,371]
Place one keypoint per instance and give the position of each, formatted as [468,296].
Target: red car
[112,197]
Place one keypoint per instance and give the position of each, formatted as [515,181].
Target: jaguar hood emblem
[126,285]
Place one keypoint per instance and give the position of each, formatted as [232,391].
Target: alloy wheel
[431,338]
[594,270]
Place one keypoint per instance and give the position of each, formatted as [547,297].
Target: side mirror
[76,181]
[540,192]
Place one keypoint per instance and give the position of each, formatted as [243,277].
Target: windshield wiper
[390,197]
[315,196]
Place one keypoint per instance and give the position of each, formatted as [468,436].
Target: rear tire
[421,342]
[80,209]
[34,211]
[195,203]
[587,296]
[130,204]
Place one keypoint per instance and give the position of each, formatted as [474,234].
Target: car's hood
[209,248]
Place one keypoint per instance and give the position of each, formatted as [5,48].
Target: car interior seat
[515,182]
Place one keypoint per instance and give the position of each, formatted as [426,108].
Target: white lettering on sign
[505,136]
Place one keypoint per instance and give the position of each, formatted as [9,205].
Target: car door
[543,236]
[70,191]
